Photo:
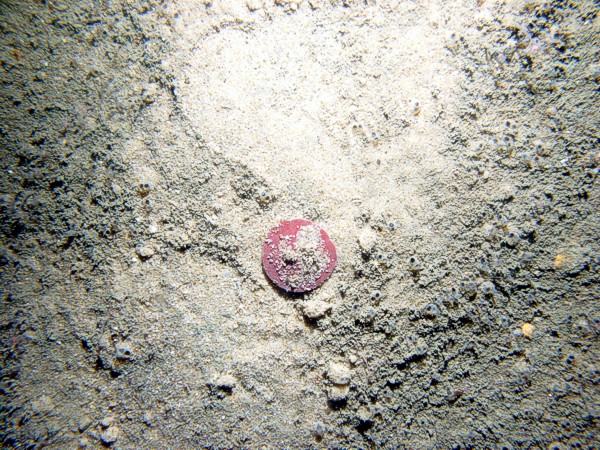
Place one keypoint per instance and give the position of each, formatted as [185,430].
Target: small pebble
[315,309]
[421,349]
[560,261]
[339,373]
[468,286]
[504,321]
[148,418]
[123,351]
[43,404]
[367,240]
[414,263]
[145,251]
[84,443]
[488,322]
[527,257]
[582,326]
[145,187]
[431,310]
[107,421]
[110,435]
[254,5]
[517,334]
[337,393]
[83,423]
[527,330]
[226,382]
[368,314]
[453,396]
[487,288]
[150,93]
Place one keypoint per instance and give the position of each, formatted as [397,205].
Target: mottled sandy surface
[450,149]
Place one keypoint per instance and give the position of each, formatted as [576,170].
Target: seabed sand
[451,150]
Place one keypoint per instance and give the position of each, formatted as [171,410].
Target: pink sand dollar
[298,256]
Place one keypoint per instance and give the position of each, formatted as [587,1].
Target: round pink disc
[298,256]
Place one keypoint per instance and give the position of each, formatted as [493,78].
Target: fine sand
[450,149]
